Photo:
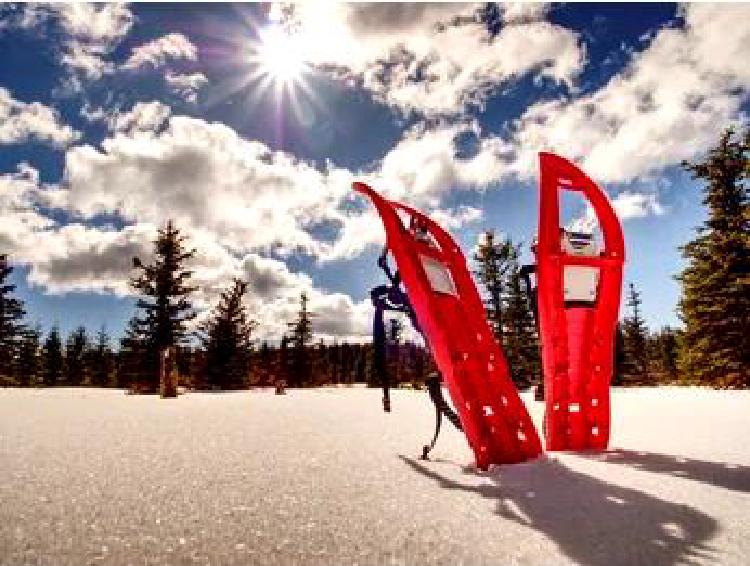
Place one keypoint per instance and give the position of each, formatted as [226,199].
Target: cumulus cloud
[432,58]
[665,106]
[90,33]
[427,163]
[19,195]
[79,257]
[186,86]
[93,31]
[156,53]
[203,175]
[26,121]
[637,205]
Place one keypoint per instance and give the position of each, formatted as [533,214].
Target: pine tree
[715,302]
[522,342]
[101,360]
[664,353]
[11,315]
[165,291]
[29,363]
[76,357]
[509,307]
[493,260]
[227,340]
[395,330]
[263,365]
[132,362]
[635,336]
[618,363]
[52,358]
[301,335]
[283,369]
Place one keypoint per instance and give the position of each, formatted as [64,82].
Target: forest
[711,347]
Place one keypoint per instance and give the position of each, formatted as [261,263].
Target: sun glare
[280,56]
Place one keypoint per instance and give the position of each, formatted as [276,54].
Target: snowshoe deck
[452,318]
[577,336]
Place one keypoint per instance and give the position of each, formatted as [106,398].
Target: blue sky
[247,124]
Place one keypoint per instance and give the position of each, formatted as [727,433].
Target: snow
[325,477]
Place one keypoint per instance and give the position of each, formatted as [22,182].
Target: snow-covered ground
[324,476]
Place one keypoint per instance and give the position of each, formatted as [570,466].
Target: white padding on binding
[438,275]
[580,283]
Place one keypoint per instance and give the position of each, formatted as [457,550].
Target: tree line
[712,346]
[220,354]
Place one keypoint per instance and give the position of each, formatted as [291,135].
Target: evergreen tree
[395,330]
[164,303]
[132,362]
[715,303]
[52,358]
[227,340]
[263,365]
[522,342]
[509,307]
[101,360]
[618,363]
[76,357]
[11,315]
[283,370]
[493,260]
[29,363]
[635,336]
[301,334]
[665,352]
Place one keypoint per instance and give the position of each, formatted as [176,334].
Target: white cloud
[426,164]
[22,122]
[91,32]
[19,193]
[629,205]
[94,30]
[667,105]
[203,175]
[514,12]
[80,258]
[186,86]
[432,58]
[156,53]
[144,117]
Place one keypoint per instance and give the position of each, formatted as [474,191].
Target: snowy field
[325,477]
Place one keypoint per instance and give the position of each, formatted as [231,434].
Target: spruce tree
[76,357]
[508,307]
[635,336]
[29,362]
[132,363]
[493,261]
[619,357]
[52,358]
[227,340]
[522,342]
[300,335]
[715,302]
[664,353]
[165,304]
[101,360]
[11,316]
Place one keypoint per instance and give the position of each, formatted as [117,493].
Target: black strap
[441,408]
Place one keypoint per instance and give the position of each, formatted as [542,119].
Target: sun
[280,57]
[271,61]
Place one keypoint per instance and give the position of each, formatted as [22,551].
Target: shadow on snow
[592,522]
